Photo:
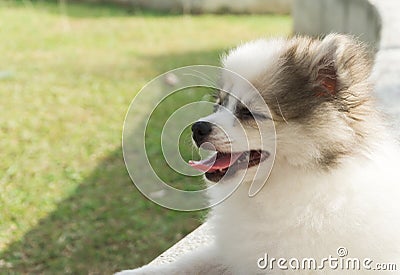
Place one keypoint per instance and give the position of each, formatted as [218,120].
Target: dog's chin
[244,168]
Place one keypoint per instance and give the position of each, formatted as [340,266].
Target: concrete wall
[320,17]
[209,6]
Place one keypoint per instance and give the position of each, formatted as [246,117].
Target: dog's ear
[325,78]
[339,62]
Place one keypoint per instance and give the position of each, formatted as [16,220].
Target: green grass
[67,76]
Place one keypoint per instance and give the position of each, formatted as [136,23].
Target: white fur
[302,211]
[252,58]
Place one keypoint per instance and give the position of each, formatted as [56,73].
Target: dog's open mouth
[221,164]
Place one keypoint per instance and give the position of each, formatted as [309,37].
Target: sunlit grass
[67,76]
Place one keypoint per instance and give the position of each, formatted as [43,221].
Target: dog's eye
[245,113]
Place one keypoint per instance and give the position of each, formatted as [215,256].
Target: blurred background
[68,72]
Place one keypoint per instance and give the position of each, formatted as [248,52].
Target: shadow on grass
[106,225]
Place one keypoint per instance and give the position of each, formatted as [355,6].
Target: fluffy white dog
[335,182]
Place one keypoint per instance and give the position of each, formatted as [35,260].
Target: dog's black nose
[201,129]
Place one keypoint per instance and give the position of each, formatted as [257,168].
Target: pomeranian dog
[331,202]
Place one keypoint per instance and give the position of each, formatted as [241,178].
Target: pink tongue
[213,163]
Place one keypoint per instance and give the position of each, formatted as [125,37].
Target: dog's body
[335,180]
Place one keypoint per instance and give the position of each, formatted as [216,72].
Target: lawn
[67,76]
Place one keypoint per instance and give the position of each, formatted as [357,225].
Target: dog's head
[318,97]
